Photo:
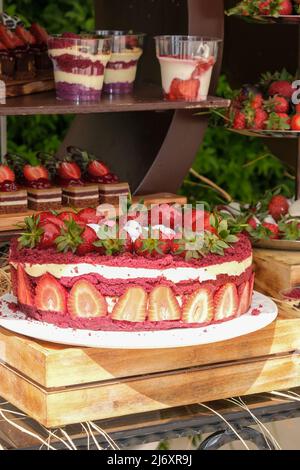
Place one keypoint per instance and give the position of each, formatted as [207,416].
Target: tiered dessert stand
[140,396]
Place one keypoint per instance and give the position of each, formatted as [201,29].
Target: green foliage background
[242,166]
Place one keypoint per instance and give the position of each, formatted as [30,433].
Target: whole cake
[64,271]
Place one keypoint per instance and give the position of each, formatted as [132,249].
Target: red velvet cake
[64,273]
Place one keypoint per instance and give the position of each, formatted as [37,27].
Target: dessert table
[191,421]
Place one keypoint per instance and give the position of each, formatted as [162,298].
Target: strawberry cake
[65,273]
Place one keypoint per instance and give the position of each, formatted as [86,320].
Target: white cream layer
[209,273]
[90,81]
[183,69]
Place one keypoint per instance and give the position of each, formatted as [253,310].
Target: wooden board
[276,270]
[27,87]
[59,385]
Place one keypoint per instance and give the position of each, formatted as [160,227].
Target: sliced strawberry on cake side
[50,295]
[24,288]
[131,306]
[14,280]
[251,290]
[226,302]
[244,295]
[85,301]
[163,305]
[199,307]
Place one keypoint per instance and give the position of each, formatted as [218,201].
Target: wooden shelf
[147,98]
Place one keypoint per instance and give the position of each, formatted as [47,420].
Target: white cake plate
[17,322]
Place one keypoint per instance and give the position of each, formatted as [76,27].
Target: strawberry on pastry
[34,173]
[50,295]
[88,215]
[163,305]
[88,237]
[244,298]
[226,302]
[131,306]
[24,289]
[199,307]
[69,171]
[85,301]
[6,174]
[50,233]
[39,33]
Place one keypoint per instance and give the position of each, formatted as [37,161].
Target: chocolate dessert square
[24,65]
[13,201]
[44,199]
[81,196]
[110,193]
[43,63]
[7,65]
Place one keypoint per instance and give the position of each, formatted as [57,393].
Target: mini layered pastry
[95,171]
[120,72]
[79,63]
[111,193]
[65,272]
[12,198]
[75,192]
[186,66]
[33,174]
[23,53]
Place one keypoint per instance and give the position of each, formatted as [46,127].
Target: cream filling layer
[183,69]
[89,81]
[120,75]
[209,273]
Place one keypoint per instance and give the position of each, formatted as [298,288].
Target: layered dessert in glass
[121,69]
[186,64]
[79,63]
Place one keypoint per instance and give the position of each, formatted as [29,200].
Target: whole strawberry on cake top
[135,272]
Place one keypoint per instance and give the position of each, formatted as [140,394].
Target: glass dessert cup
[79,64]
[186,64]
[120,73]
[291,296]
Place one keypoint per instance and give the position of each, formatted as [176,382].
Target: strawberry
[295,122]
[264,7]
[89,237]
[39,33]
[47,216]
[69,171]
[152,246]
[50,233]
[33,173]
[7,37]
[25,35]
[178,247]
[278,121]
[131,306]
[163,305]
[184,89]
[226,302]
[244,298]
[88,216]
[199,308]
[6,174]
[97,168]
[71,237]
[260,119]
[285,7]
[24,289]
[239,121]
[50,295]
[85,301]
[278,206]
[14,280]
[165,214]
[272,230]
[277,104]
[256,101]
[251,288]
[67,216]
[282,88]
[252,222]
[297,108]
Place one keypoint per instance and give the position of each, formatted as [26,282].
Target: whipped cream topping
[175,275]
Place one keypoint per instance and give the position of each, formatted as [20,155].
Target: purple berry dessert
[79,63]
[121,69]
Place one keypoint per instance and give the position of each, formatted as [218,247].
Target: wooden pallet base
[28,87]
[59,385]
